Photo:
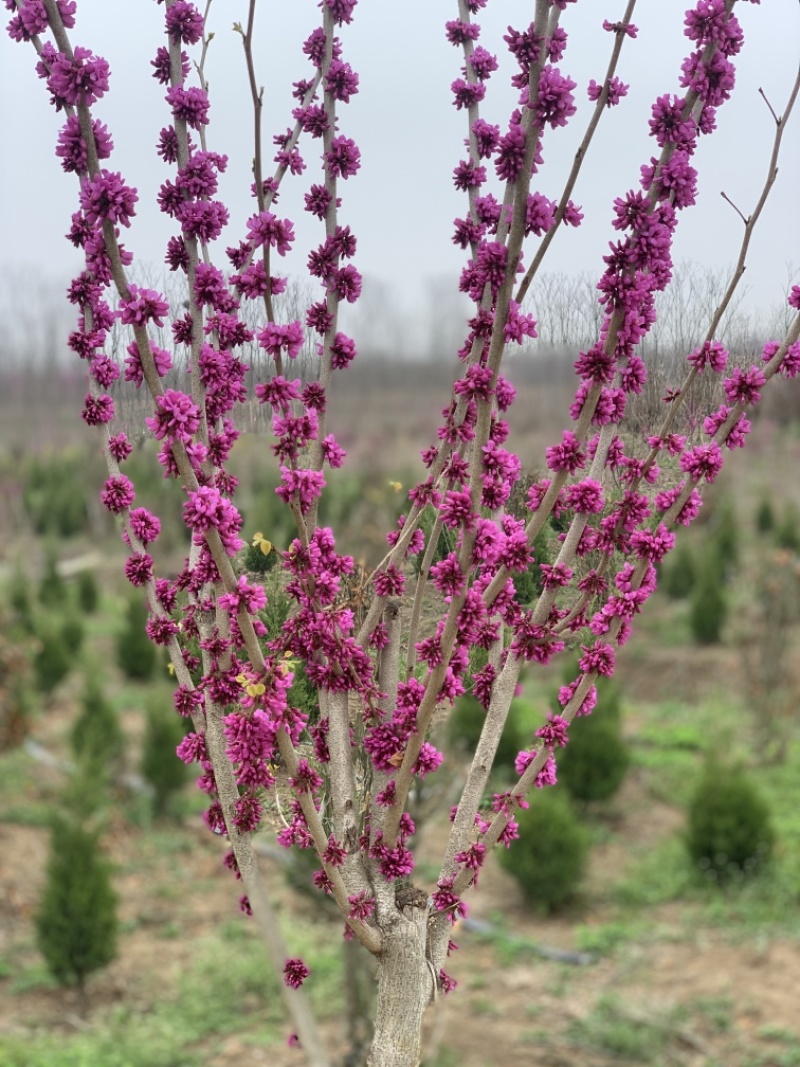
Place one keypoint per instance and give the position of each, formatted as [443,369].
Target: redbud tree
[346,774]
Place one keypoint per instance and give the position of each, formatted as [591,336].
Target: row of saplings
[728,833]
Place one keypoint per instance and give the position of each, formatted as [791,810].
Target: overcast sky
[402,202]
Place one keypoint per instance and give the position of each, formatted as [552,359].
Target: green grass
[609,1029]
[222,992]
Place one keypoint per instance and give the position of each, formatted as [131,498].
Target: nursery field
[650,958]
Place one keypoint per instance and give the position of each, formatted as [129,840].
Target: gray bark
[405,988]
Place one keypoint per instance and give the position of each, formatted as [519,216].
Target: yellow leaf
[171,668]
[397,486]
[265,546]
[255,689]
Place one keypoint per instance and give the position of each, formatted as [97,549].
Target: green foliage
[709,608]
[765,516]
[788,533]
[680,572]
[52,587]
[464,730]
[20,601]
[52,661]
[594,763]
[257,562]
[76,924]
[55,496]
[730,831]
[160,765]
[136,654]
[88,592]
[549,859]
[73,632]
[97,738]
[725,539]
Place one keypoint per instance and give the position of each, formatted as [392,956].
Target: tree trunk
[405,988]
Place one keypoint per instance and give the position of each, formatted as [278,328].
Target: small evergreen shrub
[680,572]
[464,730]
[54,496]
[593,765]
[256,561]
[730,832]
[88,592]
[725,539]
[20,601]
[136,654]
[765,516]
[787,534]
[549,859]
[76,924]
[160,765]
[709,608]
[97,737]
[73,633]
[52,587]
[52,661]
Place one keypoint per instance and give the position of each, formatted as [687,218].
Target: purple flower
[616,91]
[710,354]
[80,80]
[144,526]
[341,82]
[458,32]
[161,67]
[184,23]
[276,339]
[713,80]
[554,100]
[554,732]
[465,93]
[143,306]
[511,154]
[189,105]
[304,485]
[626,28]
[447,576]
[344,158]
[585,498]
[266,229]
[71,149]
[703,461]
[295,971]
[106,196]
[744,387]
[203,220]
[345,284]
[342,10]
[427,761]
[118,494]
[568,456]
[362,906]
[97,410]
[177,417]
[483,63]
[120,447]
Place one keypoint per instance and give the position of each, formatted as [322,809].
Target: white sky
[402,203]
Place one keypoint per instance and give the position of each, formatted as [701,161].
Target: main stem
[405,988]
